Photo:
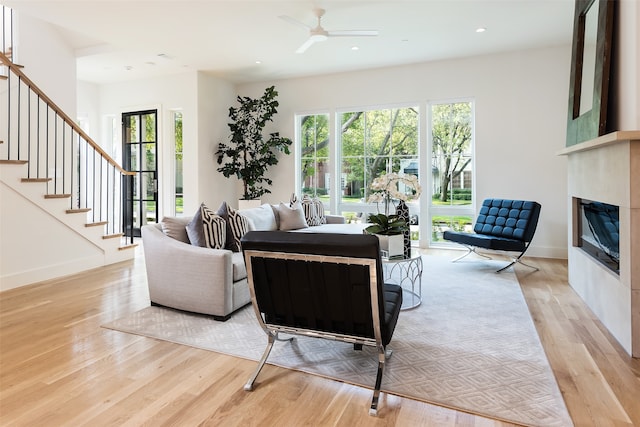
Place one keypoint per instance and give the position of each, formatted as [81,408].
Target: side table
[406,272]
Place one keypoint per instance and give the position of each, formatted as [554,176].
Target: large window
[451,206]
[373,143]
[178,167]
[315,165]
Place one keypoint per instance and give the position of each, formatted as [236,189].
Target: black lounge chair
[324,286]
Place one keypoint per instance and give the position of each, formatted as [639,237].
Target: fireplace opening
[599,232]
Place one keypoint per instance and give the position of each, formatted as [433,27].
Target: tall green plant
[248,154]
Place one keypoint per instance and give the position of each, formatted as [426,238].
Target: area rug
[471,345]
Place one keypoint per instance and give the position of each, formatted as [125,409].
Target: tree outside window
[315,170]
[373,143]
[452,168]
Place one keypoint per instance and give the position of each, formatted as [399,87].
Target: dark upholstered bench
[323,286]
[502,225]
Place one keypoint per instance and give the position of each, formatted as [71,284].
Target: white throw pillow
[175,227]
[261,218]
[291,218]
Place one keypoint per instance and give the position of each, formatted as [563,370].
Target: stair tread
[81,210]
[112,236]
[13,162]
[57,196]
[131,246]
[96,224]
[35,179]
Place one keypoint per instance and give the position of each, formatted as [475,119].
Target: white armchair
[192,278]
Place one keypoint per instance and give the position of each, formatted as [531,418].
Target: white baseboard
[24,278]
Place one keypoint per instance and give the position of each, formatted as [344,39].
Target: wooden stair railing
[60,154]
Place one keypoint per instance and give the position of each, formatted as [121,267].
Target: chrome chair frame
[273,330]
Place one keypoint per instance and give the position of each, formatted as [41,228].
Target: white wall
[520,100]
[215,96]
[204,101]
[36,246]
[48,61]
[30,241]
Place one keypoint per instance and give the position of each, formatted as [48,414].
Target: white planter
[391,246]
[248,204]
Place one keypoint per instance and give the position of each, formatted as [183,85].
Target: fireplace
[598,231]
[604,231]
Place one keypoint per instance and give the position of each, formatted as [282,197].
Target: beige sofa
[203,280]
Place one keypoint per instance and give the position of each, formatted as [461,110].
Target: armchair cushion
[239,269]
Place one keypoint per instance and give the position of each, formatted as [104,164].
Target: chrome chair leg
[376,391]
[290,339]
[272,337]
[527,265]
[517,261]
[470,249]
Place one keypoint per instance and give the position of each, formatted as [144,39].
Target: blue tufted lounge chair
[502,225]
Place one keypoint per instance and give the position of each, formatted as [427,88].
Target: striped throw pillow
[239,226]
[313,210]
[214,228]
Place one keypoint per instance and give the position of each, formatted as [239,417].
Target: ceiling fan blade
[306,45]
[353,33]
[294,21]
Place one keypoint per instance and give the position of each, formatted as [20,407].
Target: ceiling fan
[319,34]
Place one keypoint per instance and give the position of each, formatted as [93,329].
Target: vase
[248,203]
[403,213]
[391,245]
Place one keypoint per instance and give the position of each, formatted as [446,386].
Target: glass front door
[139,139]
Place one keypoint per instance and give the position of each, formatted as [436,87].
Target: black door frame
[130,191]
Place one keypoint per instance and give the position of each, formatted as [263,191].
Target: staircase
[55,174]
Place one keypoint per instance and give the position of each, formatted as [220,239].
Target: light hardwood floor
[59,367]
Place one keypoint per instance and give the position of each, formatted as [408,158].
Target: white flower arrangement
[386,189]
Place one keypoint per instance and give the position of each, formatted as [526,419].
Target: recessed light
[355,48]
[481,30]
[258,62]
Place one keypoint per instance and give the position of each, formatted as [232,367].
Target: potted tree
[248,154]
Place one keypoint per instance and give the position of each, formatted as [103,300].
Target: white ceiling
[122,39]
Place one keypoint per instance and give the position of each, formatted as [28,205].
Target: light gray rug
[471,345]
